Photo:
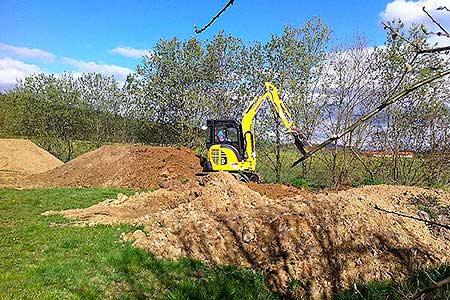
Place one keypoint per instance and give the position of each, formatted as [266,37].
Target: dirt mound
[276,190]
[125,166]
[19,158]
[319,243]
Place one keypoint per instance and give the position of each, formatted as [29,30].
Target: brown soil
[276,190]
[19,158]
[139,167]
[325,242]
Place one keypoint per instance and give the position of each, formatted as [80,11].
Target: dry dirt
[138,167]
[276,190]
[19,158]
[321,242]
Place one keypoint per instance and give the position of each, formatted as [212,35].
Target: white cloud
[12,70]
[120,73]
[130,52]
[411,12]
[27,52]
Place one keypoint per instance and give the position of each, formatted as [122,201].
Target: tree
[186,82]
[349,91]
[409,123]
[101,98]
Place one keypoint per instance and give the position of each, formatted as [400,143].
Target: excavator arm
[283,113]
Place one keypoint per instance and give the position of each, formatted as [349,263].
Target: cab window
[232,135]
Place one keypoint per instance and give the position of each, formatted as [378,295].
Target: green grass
[42,262]
[404,290]
[349,171]
[39,261]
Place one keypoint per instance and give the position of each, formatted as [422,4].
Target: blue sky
[109,36]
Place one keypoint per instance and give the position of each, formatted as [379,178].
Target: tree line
[326,85]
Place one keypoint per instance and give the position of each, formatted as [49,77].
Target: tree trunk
[277,151]
[69,150]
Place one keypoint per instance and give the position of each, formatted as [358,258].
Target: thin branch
[438,34]
[395,34]
[443,8]
[362,162]
[405,72]
[434,50]
[372,113]
[411,217]
[418,49]
[214,18]
[435,22]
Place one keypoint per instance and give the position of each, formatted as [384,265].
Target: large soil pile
[19,158]
[125,166]
[318,242]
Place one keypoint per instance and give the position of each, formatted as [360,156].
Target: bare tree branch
[434,50]
[230,2]
[435,22]
[384,104]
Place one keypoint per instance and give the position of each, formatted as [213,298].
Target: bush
[299,182]
[372,181]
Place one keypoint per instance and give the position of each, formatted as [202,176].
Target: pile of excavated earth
[320,243]
[21,158]
[24,164]
[138,167]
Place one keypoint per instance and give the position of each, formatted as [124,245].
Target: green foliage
[44,258]
[368,180]
[184,82]
[58,111]
[299,182]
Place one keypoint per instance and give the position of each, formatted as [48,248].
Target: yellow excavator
[231,145]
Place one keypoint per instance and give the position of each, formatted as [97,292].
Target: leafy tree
[409,124]
[101,96]
[185,82]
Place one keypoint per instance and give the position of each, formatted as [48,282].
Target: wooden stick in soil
[433,287]
[412,217]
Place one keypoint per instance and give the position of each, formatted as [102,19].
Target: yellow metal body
[224,159]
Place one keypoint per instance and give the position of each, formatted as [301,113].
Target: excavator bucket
[300,141]
[299,144]
[302,145]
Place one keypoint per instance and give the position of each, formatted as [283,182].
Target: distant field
[319,175]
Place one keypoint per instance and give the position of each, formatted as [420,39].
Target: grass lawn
[42,262]
[39,261]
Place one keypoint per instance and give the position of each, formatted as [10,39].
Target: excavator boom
[283,113]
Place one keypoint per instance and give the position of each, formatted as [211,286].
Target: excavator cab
[226,132]
[226,145]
